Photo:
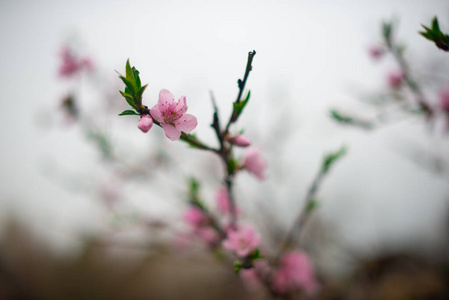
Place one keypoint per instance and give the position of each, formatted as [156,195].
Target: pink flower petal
[195,217]
[181,107]
[255,164]
[186,123]
[171,132]
[295,271]
[222,197]
[242,242]
[156,113]
[166,99]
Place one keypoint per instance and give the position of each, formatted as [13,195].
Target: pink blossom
[444,98]
[376,51]
[71,64]
[195,217]
[295,272]
[223,201]
[240,140]
[254,163]
[172,116]
[145,123]
[242,241]
[395,78]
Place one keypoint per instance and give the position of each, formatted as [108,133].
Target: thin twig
[241,84]
[411,83]
[216,122]
[303,216]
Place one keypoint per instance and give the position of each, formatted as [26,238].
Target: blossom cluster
[406,91]
[221,229]
[294,272]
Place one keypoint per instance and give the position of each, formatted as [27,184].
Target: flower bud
[254,163]
[395,79]
[145,123]
[376,51]
[240,140]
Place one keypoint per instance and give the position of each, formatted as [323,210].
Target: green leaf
[340,117]
[129,71]
[130,85]
[194,194]
[256,255]
[331,158]
[129,112]
[232,165]
[129,99]
[136,78]
[125,94]
[440,39]
[237,266]
[349,120]
[194,185]
[140,93]
[311,206]
[387,29]
[435,25]
[428,35]
[131,102]
[239,106]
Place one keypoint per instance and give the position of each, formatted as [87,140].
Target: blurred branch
[310,202]
[398,53]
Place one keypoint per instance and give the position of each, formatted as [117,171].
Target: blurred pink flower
[145,123]
[71,64]
[254,163]
[395,78]
[295,272]
[444,98]
[171,115]
[376,51]
[242,241]
[222,197]
[223,202]
[195,217]
[240,140]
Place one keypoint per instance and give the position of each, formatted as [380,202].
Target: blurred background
[88,203]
